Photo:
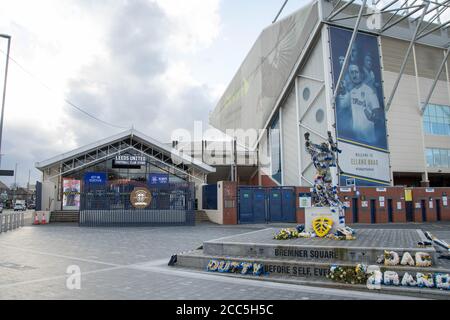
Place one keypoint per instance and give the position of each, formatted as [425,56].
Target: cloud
[140,83]
[125,62]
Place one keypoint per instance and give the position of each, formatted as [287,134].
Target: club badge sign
[140,198]
[322,226]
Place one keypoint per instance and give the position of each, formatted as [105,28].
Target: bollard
[22,219]
[1,222]
[10,222]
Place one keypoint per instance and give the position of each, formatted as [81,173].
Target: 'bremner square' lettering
[313,254]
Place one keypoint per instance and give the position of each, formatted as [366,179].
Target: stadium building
[390,113]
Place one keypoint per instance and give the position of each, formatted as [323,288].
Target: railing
[11,221]
[109,206]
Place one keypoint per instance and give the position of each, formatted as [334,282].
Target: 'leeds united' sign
[129,160]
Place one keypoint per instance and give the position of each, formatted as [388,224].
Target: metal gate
[38,206]
[110,206]
[261,205]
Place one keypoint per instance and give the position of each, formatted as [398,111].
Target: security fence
[110,206]
[11,221]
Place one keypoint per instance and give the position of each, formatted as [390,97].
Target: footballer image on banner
[360,114]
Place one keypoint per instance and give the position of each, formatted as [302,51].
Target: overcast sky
[156,64]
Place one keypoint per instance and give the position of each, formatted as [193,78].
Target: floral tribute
[392,258]
[362,274]
[345,233]
[348,275]
[225,266]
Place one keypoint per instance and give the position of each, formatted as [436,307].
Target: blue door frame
[263,205]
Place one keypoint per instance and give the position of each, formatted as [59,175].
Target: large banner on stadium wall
[360,113]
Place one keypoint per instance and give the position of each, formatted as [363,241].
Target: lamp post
[4,92]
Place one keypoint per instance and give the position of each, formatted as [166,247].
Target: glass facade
[436,120]
[122,175]
[438,158]
[275,149]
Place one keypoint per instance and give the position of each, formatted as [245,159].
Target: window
[438,158]
[306,94]
[436,120]
[275,149]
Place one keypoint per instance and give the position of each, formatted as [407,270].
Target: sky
[156,65]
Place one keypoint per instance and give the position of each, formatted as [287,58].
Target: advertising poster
[158,179]
[71,194]
[360,114]
[95,178]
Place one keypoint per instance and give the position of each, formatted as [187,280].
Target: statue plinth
[334,214]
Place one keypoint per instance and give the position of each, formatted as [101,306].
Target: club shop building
[375,75]
[126,179]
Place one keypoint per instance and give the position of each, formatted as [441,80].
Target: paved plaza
[131,263]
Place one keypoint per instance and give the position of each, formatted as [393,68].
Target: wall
[397,195]
[290,140]
[51,190]
[313,113]
[406,137]
[226,212]
[251,97]
[229,192]
[216,216]
[49,196]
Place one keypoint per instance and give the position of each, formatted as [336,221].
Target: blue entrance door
[275,205]
[245,205]
[288,205]
[259,206]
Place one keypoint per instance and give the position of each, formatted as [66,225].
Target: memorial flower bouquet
[286,234]
[348,275]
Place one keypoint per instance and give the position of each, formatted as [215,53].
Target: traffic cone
[36,219]
[44,221]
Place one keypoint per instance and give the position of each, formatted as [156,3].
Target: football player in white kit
[363,103]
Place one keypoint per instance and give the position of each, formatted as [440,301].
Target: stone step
[292,269]
[65,216]
[185,262]
[366,249]
[309,260]
[201,216]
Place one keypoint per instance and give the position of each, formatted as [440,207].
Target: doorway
[373,211]
[355,210]
[390,211]
[438,210]
[424,210]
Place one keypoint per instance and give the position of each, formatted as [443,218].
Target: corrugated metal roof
[129,133]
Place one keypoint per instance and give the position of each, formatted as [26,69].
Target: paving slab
[369,244]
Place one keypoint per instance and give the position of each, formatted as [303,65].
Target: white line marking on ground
[60,256]
[240,234]
[55,278]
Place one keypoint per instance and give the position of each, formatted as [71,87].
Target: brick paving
[131,263]
[373,238]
